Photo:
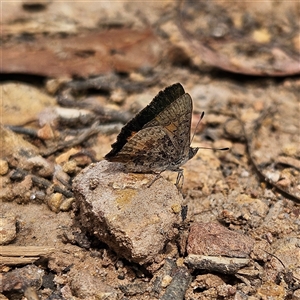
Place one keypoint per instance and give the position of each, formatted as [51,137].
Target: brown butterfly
[158,137]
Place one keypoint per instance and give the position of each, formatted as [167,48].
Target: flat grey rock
[121,210]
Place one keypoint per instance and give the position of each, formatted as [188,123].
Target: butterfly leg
[155,178]
[180,177]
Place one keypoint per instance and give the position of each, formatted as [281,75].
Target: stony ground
[73,75]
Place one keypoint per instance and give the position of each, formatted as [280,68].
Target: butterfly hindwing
[150,150]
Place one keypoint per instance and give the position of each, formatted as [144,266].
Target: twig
[178,286]
[103,113]
[86,134]
[110,82]
[23,130]
[42,182]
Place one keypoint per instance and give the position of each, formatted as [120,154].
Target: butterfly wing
[157,138]
[157,105]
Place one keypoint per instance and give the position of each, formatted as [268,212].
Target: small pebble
[70,167]
[65,156]
[270,290]
[119,264]
[296,295]
[46,132]
[176,208]
[118,96]
[28,278]
[290,149]
[7,228]
[261,36]
[3,167]
[121,276]
[284,183]
[166,281]
[43,167]
[53,85]
[38,196]
[207,281]
[274,176]
[245,174]
[55,201]
[66,205]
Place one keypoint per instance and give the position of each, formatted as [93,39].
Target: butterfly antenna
[221,149]
[201,117]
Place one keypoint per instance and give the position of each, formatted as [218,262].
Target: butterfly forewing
[157,105]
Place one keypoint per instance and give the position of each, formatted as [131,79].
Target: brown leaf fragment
[121,50]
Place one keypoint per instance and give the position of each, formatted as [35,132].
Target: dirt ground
[74,73]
